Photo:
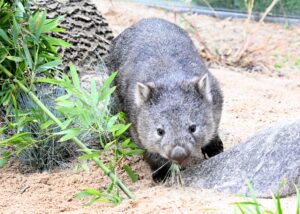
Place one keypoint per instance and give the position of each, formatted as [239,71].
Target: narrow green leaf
[40,22]
[129,144]
[111,122]
[50,80]
[253,196]
[240,208]
[135,152]
[111,186]
[3,54]
[21,7]
[27,54]
[298,200]
[15,58]
[66,103]
[278,202]
[47,124]
[248,203]
[92,191]
[130,173]
[122,130]
[16,137]
[15,32]
[4,159]
[67,122]
[64,97]
[58,30]
[52,25]
[109,81]
[90,156]
[74,75]
[104,94]
[4,36]
[82,195]
[32,21]
[68,134]
[48,65]
[108,145]
[57,42]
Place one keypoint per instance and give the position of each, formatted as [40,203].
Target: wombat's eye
[192,128]
[160,132]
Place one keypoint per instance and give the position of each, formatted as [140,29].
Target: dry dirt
[252,101]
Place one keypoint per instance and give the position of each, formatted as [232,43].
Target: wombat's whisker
[161,167]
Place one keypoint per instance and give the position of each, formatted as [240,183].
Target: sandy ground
[252,100]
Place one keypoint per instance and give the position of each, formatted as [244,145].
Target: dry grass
[247,54]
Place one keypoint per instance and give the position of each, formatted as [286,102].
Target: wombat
[168,94]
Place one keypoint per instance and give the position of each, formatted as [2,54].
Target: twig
[241,54]
[268,10]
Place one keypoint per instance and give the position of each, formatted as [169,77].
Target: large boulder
[86,29]
[265,159]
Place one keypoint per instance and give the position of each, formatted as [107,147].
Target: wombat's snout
[179,154]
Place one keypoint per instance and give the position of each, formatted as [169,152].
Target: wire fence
[284,11]
[284,8]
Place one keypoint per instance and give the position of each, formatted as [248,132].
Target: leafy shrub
[27,51]
[29,60]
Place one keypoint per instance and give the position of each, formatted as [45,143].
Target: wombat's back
[155,50]
[152,46]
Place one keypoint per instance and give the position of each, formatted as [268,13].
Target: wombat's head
[175,121]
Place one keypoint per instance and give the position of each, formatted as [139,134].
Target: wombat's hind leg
[214,147]
[159,166]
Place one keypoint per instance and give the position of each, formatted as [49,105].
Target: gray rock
[86,29]
[266,159]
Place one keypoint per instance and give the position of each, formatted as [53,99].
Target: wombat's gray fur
[171,99]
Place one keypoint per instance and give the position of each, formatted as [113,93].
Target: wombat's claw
[204,153]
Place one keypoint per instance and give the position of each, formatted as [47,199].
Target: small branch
[268,10]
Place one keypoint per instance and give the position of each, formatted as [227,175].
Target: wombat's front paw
[159,166]
[161,174]
[214,147]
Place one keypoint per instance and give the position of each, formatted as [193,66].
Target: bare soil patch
[252,101]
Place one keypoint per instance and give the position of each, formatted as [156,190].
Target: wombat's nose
[179,154]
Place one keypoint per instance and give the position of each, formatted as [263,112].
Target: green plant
[29,53]
[88,116]
[26,51]
[253,206]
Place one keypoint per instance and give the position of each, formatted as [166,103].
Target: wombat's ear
[203,87]
[143,92]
